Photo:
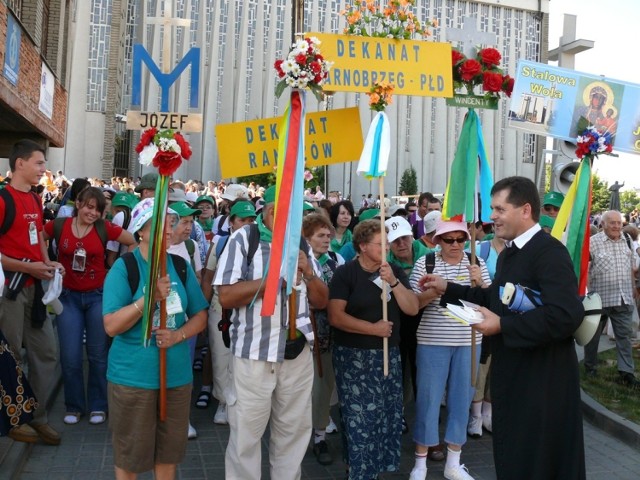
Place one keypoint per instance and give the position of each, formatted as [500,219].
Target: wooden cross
[167,21]
[470,36]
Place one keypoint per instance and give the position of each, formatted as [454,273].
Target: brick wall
[24,98]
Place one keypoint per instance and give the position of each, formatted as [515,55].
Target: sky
[611,25]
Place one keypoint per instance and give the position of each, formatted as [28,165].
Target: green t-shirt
[130,362]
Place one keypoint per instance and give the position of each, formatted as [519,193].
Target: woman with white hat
[444,354]
[133,368]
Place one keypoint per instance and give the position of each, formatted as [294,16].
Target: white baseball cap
[235,191]
[398,227]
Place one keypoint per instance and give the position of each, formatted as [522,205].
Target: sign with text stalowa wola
[418,68]
[251,148]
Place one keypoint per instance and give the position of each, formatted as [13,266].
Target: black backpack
[10,209]
[133,273]
[430,261]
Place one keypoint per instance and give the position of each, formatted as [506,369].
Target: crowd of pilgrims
[429,352]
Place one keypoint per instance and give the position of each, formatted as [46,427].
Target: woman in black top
[371,404]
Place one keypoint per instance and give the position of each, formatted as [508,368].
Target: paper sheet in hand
[467,314]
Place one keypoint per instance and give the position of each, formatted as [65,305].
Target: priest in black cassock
[535,384]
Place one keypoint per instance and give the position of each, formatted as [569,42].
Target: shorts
[140,440]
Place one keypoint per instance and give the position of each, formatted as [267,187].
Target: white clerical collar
[521,240]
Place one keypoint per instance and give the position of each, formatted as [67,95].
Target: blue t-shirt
[130,362]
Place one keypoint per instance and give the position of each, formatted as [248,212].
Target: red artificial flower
[490,57]
[167,162]
[319,58]
[146,139]
[491,82]
[310,48]
[469,69]
[278,67]
[582,150]
[315,67]
[456,56]
[185,149]
[507,85]
[301,59]
[317,79]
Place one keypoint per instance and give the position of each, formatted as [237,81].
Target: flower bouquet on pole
[373,164]
[304,68]
[165,150]
[572,224]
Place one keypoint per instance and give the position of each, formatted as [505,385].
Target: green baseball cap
[183,210]
[205,198]
[148,181]
[243,209]
[269,195]
[124,199]
[306,206]
[368,214]
[546,221]
[553,198]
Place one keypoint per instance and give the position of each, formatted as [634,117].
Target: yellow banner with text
[419,68]
[251,148]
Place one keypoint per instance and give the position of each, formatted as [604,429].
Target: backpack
[191,249]
[254,243]
[10,209]
[430,261]
[99,225]
[133,273]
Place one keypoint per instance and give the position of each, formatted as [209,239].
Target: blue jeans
[83,312]
[440,368]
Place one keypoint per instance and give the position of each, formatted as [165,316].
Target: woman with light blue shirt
[140,441]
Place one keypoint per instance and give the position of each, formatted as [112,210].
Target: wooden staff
[383,245]
[163,325]
[292,315]
[473,332]
[316,344]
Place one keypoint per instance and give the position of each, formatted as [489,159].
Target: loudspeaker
[563,176]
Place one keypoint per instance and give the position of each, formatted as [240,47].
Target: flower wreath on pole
[572,225]
[304,68]
[165,150]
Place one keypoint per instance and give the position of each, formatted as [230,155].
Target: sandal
[71,418]
[203,399]
[197,364]
[97,417]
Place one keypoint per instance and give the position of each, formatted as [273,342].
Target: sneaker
[97,417]
[23,433]
[321,451]
[47,434]
[457,473]
[221,418]
[192,432]
[418,473]
[486,423]
[474,427]
[71,418]
[331,428]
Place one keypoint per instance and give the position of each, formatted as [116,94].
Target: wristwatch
[395,284]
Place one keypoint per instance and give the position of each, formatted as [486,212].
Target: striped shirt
[253,336]
[610,271]
[437,328]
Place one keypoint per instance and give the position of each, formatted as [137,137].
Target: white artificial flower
[287,65]
[315,41]
[289,81]
[147,154]
[295,70]
[301,45]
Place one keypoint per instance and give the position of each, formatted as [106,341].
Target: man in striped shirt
[264,385]
[611,274]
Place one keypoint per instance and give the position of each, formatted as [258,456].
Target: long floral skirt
[371,408]
[17,401]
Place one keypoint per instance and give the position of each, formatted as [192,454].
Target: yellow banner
[251,148]
[415,67]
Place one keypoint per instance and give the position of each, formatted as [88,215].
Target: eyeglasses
[549,208]
[451,241]
[412,210]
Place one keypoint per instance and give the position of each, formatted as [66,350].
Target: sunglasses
[451,241]
[549,208]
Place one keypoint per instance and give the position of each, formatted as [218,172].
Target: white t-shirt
[181,249]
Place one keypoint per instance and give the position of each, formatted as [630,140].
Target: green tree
[600,196]
[408,182]
[628,201]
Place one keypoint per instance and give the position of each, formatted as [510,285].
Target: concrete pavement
[86,454]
